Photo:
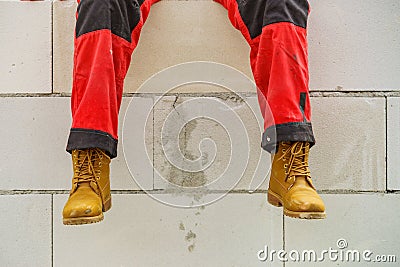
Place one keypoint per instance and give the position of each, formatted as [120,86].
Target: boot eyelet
[285,166]
[283,150]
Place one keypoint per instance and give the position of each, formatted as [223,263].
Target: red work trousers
[107,32]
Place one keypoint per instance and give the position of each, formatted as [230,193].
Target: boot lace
[297,164]
[87,166]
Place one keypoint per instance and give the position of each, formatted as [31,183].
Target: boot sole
[275,200]
[83,220]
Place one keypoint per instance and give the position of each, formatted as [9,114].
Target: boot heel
[107,205]
[273,200]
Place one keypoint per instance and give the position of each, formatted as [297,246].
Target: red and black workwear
[107,32]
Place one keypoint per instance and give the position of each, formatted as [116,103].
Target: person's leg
[277,35]
[106,34]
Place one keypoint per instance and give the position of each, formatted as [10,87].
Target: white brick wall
[26,58]
[354,45]
[393,140]
[26,230]
[354,63]
[350,143]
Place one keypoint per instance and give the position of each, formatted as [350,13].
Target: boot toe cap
[309,206]
[82,210]
[309,202]
[83,203]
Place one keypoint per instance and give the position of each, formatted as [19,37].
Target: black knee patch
[119,16]
[259,13]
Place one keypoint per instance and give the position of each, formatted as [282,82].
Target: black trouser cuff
[294,131]
[85,138]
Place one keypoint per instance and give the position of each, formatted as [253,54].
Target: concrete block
[219,143]
[36,136]
[63,44]
[26,54]
[354,45]
[377,232]
[37,130]
[133,168]
[393,143]
[350,143]
[26,238]
[142,231]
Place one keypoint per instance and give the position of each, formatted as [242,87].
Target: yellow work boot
[90,194]
[290,184]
